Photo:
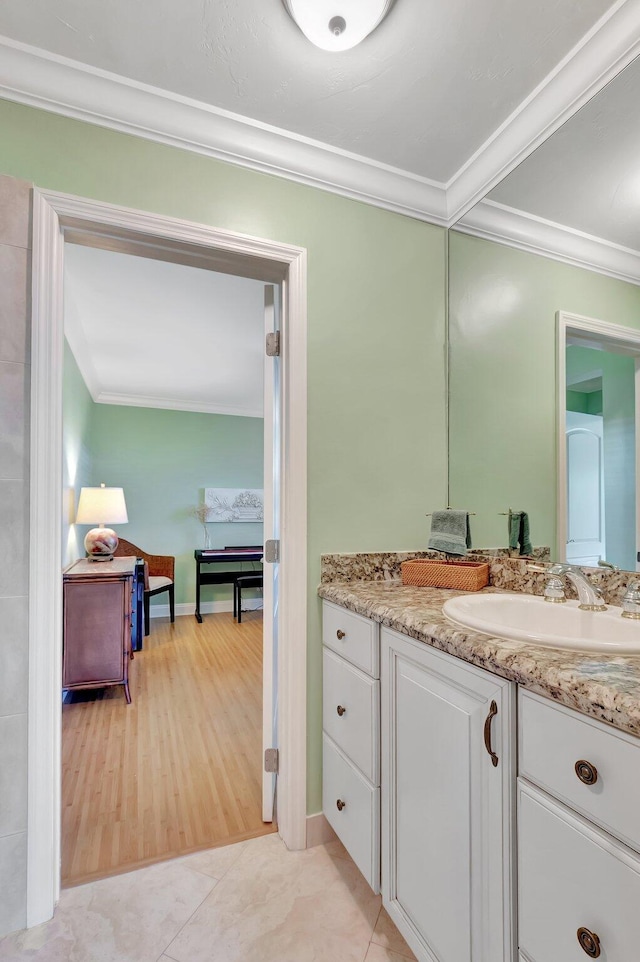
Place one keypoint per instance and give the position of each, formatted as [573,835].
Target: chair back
[155,565]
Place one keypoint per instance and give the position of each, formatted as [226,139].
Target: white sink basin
[529,618]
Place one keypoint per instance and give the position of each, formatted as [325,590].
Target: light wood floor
[177,770]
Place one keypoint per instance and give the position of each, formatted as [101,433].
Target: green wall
[502,328]
[376,294]
[164,460]
[584,403]
[77,453]
[618,409]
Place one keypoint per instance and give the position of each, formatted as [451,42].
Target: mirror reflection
[597,444]
[543,414]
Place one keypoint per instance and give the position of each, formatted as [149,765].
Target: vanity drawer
[553,739]
[351,713]
[357,821]
[573,876]
[353,637]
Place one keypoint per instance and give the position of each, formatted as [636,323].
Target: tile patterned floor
[250,902]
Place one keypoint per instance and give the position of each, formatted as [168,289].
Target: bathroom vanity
[491,789]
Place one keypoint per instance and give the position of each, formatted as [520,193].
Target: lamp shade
[101,506]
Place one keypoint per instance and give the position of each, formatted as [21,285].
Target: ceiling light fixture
[337,24]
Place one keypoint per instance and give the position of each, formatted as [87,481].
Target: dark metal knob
[589,942]
[340,634]
[340,804]
[586,772]
[341,710]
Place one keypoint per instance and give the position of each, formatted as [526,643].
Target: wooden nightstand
[98,613]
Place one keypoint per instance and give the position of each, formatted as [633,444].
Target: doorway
[58,220]
[598,442]
[165,378]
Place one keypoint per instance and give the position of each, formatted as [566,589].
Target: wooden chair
[159,576]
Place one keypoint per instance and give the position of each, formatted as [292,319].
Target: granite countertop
[606,687]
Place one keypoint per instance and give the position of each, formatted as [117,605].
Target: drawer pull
[340,634]
[588,774]
[493,711]
[340,804]
[589,942]
[341,710]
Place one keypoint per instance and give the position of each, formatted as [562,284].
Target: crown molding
[41,79]
[526,232]
[174,404]
[611,44]
[37,78]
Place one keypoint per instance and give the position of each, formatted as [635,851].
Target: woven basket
[462,575]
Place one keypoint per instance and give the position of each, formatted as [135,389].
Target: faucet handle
[554,590]
[562,567]
[631,601]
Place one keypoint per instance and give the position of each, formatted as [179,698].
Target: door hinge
[271,760]
[272,552]
[273,344]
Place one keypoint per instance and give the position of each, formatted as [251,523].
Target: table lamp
[101,506]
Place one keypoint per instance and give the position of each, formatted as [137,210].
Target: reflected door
[585,489]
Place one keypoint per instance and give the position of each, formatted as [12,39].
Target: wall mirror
[554,246]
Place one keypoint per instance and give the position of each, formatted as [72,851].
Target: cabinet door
[96,631]
[447,818]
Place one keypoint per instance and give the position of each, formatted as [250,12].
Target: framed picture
[234,504]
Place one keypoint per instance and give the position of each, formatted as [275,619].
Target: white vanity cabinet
[351,735]
[420,784]
[448,776]
[578,837]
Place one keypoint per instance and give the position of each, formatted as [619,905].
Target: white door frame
[592,333]
[57,217]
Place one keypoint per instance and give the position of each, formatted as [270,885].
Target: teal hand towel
[519,535]
[450,532]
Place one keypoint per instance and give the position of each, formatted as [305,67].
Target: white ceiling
[422,93]
[155,334]
[425,117]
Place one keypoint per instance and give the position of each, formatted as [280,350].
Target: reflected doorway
[598,443]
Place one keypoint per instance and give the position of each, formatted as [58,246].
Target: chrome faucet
[589,596]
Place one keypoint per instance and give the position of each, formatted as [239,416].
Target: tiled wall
[15,257]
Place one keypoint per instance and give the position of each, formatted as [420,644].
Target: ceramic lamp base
[100,544]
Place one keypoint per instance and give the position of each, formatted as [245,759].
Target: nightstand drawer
[352,637]
[579,891]
[352,807]
[591,767]
[351,713]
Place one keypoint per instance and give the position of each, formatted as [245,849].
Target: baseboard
[206,607]
[319,832]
